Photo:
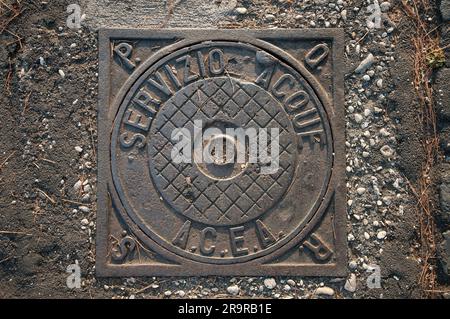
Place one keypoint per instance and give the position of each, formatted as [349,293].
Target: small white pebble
[360,190]
[327,291]
[358,118]
[381,234]
[380,83]
[241,10]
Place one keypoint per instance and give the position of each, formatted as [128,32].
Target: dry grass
[9,10]
[427,56]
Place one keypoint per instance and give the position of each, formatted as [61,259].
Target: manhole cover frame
[333,104]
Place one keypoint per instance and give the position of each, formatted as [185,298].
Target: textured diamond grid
[185,187]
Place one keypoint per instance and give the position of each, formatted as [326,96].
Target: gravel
[325,291]
[381,234]
[365,64]
[233,290]
[350,284]
[368,83]
[387,151]
[270,283]
[241,10]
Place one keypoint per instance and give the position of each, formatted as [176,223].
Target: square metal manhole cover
[172,202]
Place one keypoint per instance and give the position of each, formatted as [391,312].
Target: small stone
[360,190]
[270,283]
[365,64]
[381,234]
[84,209]
[350,284]
[84,222]
[385,6]
[287,288]
[290,282]
[86,198]
[270,17]
[387,151]
[61,73]
[353,264]
[344,15]
[77,186]
[366,77]
[358,118]
[233,290]
[380,83]
[167,293]
[326,291]
[87,188]
[377,110]
[241,10]
[78,149]
[384,132]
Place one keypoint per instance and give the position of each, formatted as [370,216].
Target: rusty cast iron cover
[159,215]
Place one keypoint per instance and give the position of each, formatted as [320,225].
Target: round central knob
[221,150]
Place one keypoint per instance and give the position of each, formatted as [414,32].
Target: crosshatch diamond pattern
[212,201]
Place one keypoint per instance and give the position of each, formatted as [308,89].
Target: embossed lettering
[187,76]
[146,101]
[302,119]
[160,84]
[265,77]
[237,241]
[135,138]
[316,55]
[123,50]
[133,118]
[265,236]
[216,62]
[211,232]
[171,75]
[318,247]
[302,99]
[182,236]
[285,78]
[201,64]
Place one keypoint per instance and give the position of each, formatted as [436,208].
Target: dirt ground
[48,110]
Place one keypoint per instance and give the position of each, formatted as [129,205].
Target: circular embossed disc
[222,210]
[206,193]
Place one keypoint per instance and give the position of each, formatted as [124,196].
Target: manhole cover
[221,153]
